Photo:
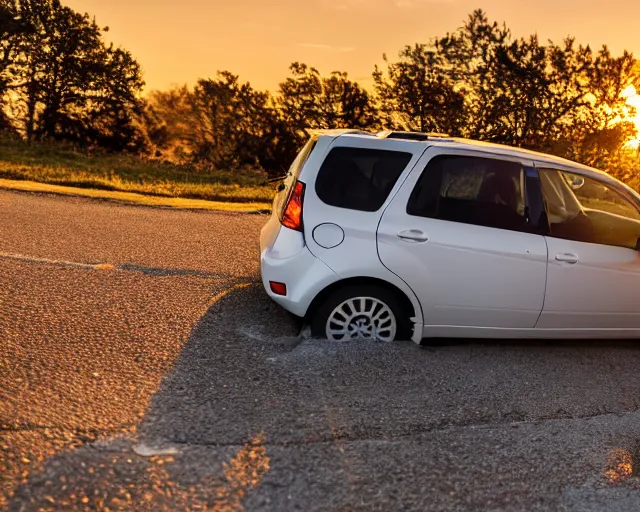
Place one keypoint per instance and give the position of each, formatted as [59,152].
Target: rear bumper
[303,273]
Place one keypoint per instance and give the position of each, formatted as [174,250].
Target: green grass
[57,165]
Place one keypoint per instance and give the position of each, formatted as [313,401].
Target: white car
[403,235]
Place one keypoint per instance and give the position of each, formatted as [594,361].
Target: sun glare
[633,99]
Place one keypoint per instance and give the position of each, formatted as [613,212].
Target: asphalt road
[142,368]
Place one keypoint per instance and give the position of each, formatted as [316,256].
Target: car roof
[439,140]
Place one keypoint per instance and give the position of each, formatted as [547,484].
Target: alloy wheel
[361,318]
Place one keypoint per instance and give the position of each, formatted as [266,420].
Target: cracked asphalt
[142,368]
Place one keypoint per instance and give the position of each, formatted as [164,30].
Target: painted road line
[125,267]
[58,263]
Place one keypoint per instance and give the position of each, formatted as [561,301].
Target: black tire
[388,297]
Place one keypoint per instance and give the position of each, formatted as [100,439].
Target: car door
[461,233]
[593,279]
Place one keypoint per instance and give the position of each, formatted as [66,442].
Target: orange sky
[178,41]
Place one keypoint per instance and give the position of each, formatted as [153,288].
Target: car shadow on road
[244,373]
[251,411]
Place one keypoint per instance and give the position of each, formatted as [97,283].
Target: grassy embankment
[56,169]
[53,168]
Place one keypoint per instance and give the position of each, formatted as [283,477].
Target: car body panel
[304,274]
[356,255]
[465,275]
[600,289]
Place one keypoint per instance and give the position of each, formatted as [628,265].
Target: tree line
[60,80]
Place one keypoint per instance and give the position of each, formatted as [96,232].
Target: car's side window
[359,178]
[471,190]
[588,210]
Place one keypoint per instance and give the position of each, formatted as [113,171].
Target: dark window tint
[479,191]
[587,210]
[359,179]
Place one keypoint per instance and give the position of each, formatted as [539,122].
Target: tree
[230,120]
[170,123]
[222,123]
[558,98]
[417,94]
[606,127]
[538,92]
[517,92]
[72,85]
[13,30]
[308,101]
[468,57]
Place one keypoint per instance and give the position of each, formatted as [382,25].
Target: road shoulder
[133,198]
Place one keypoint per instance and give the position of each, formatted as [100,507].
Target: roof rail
[338,131]
[419,136]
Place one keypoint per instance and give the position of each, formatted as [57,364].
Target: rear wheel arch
[403,300]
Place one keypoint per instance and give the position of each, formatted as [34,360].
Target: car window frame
[410,163]
[531,190]
[619,190]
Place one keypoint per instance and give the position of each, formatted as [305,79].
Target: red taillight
[292,216]
[278,288]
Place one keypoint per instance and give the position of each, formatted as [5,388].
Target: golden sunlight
[633,99]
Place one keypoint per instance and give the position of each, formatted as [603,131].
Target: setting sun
[633,100]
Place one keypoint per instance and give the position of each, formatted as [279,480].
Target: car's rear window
[359,178]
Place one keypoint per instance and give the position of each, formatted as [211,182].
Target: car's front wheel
[361,312]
